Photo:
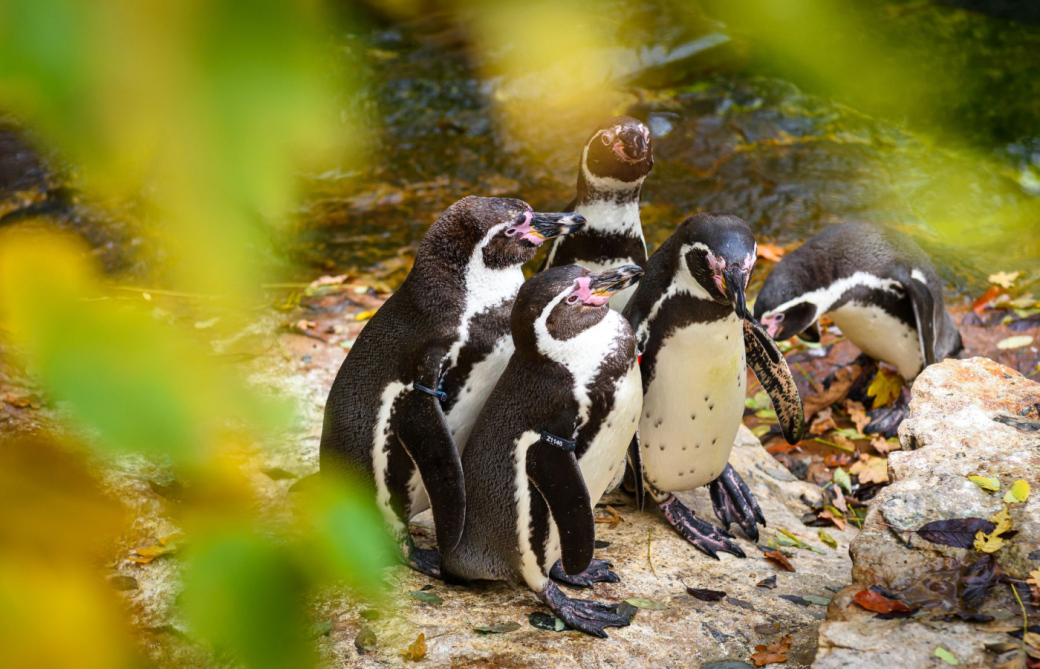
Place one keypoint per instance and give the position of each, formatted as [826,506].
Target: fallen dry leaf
[614,520]
[884,446]
[837,460]
[782,447]
[872,469]
[835,518]
[993,542]
[21,402]
[872,601]
[779,558]
[1018,341]
[844,377]
[1019,492]
[167,545]
[773,653]
[956,532]
[416,651]
[771,252]
[1004,279]
[986,482]
[365,315]
[885,387]
[986,299]
[304,324]
[1034,585]
[329,280]
[824,422]
[857,414]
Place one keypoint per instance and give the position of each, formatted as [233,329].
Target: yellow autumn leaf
[365,315]
[988,543]
[1019,492]
[1004,279]
[417,650]
[871,470]
[885,387]
[1002,521]
[986,482]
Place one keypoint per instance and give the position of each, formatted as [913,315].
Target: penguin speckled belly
[695,336]
[549,441]
[614,163]
[433,341]
[878,287]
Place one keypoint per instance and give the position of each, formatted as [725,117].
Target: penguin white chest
[693,405]
[880,335]
[606,454]
[477,388]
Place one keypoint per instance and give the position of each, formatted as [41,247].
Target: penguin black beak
[614,280]
[733,281]
[546,226]
[634,143]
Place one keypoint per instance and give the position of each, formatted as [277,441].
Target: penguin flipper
[557,477]
[423,432]
[635,465]
[775,376]
[924,313]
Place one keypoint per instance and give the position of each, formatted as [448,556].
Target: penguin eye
[779,317]
[573,299]
[606,139]
[510,232]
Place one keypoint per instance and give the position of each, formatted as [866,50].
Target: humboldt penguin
[549,441]
[614,163]
[879,288]
[696,338]
[419,372]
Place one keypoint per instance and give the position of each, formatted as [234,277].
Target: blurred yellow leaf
[988,543]
[986,482]
[1002,520]
[1019,492]
[885,387]
[871,470]
[1004,279]
[417,650]
[365,315]
[1018,341]
[167,545]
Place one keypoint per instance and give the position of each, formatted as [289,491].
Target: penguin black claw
[426,562]
[705,536]
[599,571]
[885,421]
[734,503]
[583,615]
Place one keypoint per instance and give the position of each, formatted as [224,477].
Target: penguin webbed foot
[705,536]
[583,615]
[425,561]
[734,503]
[886,420]
[599,571]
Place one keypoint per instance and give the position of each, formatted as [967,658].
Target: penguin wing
[635,465]
[924,313]
[775,376]
[423,432]
[557,477]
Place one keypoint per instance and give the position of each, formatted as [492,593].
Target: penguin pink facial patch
[587,295]
[525,230]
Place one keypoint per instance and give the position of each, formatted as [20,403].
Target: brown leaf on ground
[823,422]
[771,252]
[837,460]
[857,414]
[1034,586]
[782,447]
[614,520]
[838,521]
[883,446]
[779,558]
[872,601]
[870,469]
[844,377]
[773,653]
[416,651]
[986,299]
[844,442]
[22,402]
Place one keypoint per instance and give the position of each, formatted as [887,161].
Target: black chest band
[567,445]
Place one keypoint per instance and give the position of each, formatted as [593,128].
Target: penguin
[696,338]
[614,162]
[549,441]
[397,413]
[879,287]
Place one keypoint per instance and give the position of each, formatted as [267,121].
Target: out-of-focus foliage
[201,113]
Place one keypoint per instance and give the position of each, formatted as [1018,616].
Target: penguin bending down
[696,339]
[419,373]
[879,288]
[614,163]
[549,442]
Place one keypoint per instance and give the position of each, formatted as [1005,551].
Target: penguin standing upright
[549,441]
[696,338]
[879,288]
[614,163]
[440,341]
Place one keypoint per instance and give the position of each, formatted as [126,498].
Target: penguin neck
[609,205]
[835,294]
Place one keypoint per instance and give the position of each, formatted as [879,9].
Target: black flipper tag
[557,477]
[423,432]
[635,465]
[773,373]
[811,334]
[924,312]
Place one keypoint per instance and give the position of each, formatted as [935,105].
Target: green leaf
[946,656]
[991,484]
[497,628]
[760,430]
[1019,492]
[842,478]
[648,604]
[759,401]
[797,543]
[826,538]
[427,597]
[319,629]
[851,433]
[822,601]
[544,621]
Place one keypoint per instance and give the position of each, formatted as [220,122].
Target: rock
[954,430]
[690,633]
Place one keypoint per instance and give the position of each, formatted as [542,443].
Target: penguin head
[618,155]
[564,301]
[718,251]
[502,232]
[779,307]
